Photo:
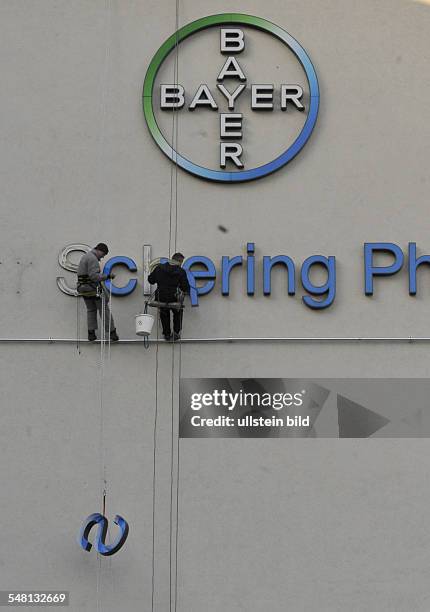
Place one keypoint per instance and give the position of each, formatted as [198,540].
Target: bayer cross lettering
[233,98]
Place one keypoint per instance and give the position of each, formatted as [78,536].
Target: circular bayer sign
[232,86]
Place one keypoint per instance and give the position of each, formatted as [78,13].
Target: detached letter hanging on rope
[99,542]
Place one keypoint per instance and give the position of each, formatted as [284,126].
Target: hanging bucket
[144,324]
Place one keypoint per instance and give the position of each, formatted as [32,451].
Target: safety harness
[176,305]
[88,288]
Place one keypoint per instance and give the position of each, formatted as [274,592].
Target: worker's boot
[114,336]
[176,336]
[167,337]
[92,335]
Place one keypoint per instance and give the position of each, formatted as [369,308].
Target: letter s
[299,399]
[66,264]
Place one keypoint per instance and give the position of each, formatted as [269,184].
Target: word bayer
[232,42]
[202,272]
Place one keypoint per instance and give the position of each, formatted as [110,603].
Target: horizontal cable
[334,339]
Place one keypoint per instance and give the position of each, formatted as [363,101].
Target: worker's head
[179,258]
[101,250]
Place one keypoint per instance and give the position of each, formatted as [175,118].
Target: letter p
[370,270]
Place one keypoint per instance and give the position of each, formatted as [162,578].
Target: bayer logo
[231,97]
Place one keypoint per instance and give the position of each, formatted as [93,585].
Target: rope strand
[104,86]
[177,489]
[154,467]
[78,325]
[175,578]
[173,238]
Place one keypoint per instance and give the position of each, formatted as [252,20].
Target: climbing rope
[174,139]
[109,342]
[177,488]
[101,391]
[173,239]
[173,231]
[101,438]
[172,468]
[154,467]
[104,80]
[78,324]
[110,318]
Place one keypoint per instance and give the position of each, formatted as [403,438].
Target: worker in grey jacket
[90,286]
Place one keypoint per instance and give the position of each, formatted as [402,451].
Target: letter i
[250,269]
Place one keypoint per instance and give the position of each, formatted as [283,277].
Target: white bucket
[144,324]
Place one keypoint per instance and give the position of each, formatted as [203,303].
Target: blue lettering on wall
[329,287]
[202,268]
[120,261]
[414,263]
[370,270]
[268,263]
[209,274]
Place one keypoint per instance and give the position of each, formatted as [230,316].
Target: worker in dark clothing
[90,286]
[171,279]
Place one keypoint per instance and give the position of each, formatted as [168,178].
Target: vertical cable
[102,372]
[101,436]
[102,111]
[154,466]
[174,133]
[175,579]
[177,487]
[103,481]
[173,239]
[108,312]
[110,319]
[78,325]
[101,200]
[177,124]
[171,470]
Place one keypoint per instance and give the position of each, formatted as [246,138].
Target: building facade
[221,524]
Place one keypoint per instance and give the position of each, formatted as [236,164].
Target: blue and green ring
[224,19]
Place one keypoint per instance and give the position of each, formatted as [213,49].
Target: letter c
[122,261]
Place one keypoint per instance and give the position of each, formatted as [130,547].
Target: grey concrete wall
[263,524]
